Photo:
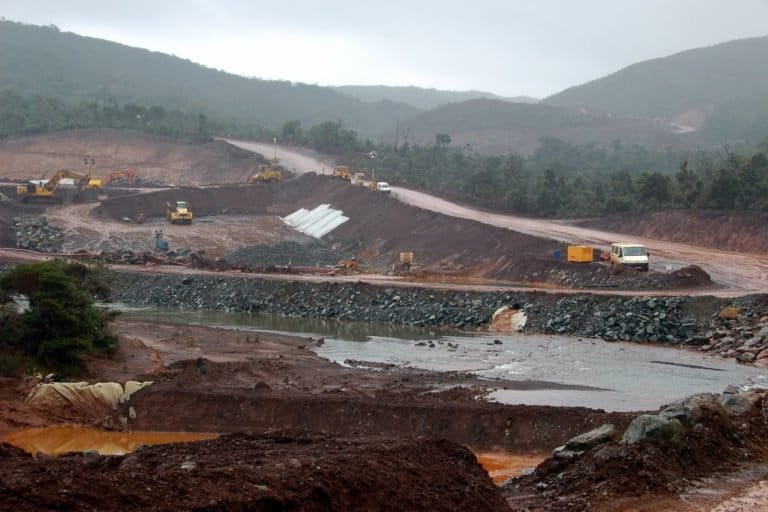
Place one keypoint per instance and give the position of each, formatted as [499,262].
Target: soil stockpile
[660,319]
[658,455]
[727,230]
[283,253]
[166,159]
[247,199]
[380,227]
[254,472]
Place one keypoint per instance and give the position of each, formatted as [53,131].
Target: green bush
[62,323]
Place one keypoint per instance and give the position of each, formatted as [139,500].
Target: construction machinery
[128,173]
[358,178]
[179,213]
[40,191]
[342,172]
[266,174]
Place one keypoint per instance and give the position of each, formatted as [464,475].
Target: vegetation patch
[49,318]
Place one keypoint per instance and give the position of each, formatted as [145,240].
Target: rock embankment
[667,320]
[739,331]
[657,455]
[37,234]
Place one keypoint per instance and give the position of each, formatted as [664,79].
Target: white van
[383,186]
[633,255]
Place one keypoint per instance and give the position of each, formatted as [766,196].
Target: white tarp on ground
[317,222]
[92,399]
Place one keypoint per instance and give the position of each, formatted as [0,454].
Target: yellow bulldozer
[45,192]
[179,213]
[266,174]
[342,172]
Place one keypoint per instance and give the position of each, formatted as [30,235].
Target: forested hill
[419,97]
[44,61]
[690,86]
[497,127]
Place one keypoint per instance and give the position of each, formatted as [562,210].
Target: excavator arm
[82,179]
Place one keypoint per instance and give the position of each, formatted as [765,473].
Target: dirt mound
[712,438]
[232,199]
[309,254]
[166,159]
[248,472]
[728,230]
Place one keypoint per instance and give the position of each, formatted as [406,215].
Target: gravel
[284,253]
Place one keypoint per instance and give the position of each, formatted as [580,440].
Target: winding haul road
[741,273]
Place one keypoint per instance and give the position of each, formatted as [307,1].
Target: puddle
[54,441]
[503,466]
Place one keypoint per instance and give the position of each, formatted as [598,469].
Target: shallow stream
[629,376]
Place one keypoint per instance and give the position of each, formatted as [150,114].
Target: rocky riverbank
[666,320]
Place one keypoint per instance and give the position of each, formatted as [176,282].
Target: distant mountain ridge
[47,62]
[420,97]
[497,127]
[689,85]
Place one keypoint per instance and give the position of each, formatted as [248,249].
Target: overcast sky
[532,47]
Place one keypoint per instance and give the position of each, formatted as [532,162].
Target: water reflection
[332,328]
[55,441]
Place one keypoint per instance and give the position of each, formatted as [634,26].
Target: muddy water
[55,441]
[503,466]
[630,376]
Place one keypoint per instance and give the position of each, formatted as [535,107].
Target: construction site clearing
[444,365]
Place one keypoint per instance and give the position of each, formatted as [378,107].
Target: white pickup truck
[632,255]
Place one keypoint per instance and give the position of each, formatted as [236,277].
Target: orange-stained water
[58,440]
[502,466]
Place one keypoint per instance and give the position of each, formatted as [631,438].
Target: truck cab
[631,255]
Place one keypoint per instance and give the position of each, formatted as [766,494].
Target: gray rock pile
[740,332]
[284,253]
[658,320]
[4,199]
[642,319]
[36,234]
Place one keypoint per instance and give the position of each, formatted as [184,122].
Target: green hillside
[419,97]
[493,126]
[695,80]
[44,61]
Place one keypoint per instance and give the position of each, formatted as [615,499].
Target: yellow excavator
[43,193]
[179,213]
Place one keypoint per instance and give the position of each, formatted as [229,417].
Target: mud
[614,476]
[255,472]
[256,382]
[727,230]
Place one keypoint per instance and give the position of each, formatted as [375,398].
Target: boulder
[654,427]
[693,409]
[598,436]
[738,404]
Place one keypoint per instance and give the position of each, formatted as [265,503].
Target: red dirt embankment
[727,230]
[166,159]
[254,472]
[232,199]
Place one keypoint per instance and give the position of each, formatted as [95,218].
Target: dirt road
[741,273]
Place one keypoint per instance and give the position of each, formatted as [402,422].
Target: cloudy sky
[532,47]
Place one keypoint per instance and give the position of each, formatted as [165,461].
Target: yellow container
[579,254]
